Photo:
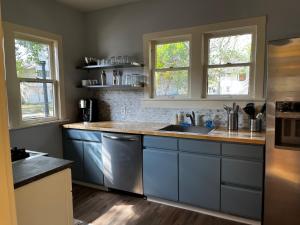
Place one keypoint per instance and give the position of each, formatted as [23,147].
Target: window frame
[53,77]
[252,64]
[198,78]
[11,33]
[154,69]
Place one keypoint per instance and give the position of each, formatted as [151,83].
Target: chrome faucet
[192,117]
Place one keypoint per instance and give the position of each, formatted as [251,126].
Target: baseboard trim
[205,211]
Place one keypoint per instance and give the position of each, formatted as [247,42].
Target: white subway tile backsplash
[112,104]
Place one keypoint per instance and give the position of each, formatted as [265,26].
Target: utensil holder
[255,125]
[233,121]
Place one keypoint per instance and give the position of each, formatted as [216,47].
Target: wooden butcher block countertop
[145,128]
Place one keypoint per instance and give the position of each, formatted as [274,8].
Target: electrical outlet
[123,111]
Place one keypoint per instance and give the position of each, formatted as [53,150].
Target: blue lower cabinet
[160,174]
[242,173]
[163,143]
[82,135]
[252,152]
[92,163]
[241,202]
[73,150]
[199,180]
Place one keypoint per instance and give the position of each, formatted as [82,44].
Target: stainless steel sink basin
[191,129]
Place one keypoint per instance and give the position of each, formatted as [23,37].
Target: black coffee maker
[88,110]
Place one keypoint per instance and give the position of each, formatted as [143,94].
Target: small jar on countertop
[180,118]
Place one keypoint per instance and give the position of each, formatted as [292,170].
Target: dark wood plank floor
[106,208]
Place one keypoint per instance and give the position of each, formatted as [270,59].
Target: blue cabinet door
[242,173]
[73,150]
[160,174]
[199,180]
[241,202]
[92,163]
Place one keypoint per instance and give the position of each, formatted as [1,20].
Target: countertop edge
[43,174]
[241,140]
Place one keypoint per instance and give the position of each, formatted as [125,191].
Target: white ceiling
[92,5]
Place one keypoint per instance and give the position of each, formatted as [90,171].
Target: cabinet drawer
[246,151]
[84,135]
[241,202]
[242,172]
[160,142]
[197,146]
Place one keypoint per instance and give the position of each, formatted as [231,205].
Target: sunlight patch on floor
[116,215]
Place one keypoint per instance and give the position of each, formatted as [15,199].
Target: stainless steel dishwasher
[122,160]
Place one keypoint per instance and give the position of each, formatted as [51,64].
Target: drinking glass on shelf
[119,60]
[113,60]
[126,59]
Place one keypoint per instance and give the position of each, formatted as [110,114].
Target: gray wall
[50,16]
[46,138]
[119,31]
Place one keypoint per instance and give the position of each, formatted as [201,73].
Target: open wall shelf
[112,66]
[113,87]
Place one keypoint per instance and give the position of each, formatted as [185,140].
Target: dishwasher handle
[117,138]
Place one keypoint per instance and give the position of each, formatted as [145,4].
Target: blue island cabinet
[85,149]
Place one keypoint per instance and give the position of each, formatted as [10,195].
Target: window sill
[215,103]
[25,126]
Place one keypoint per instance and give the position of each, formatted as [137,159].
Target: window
[216,62]
[34,78]
[171,69]
[230,64]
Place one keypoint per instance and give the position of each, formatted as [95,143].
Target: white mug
[85,83]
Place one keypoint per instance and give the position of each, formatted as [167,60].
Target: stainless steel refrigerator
[282,180]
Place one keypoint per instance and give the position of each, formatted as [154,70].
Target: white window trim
[197,65]
[11,31]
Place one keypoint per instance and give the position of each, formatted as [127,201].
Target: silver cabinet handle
[120,138]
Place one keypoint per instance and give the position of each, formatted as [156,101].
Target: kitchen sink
[187,129]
